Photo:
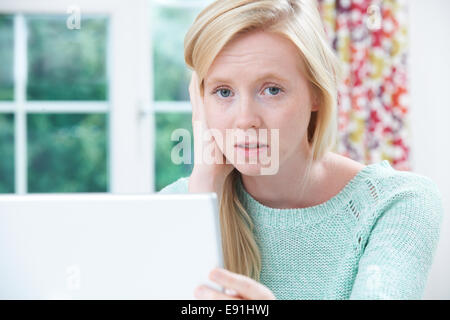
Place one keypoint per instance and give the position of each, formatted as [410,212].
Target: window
[93,109]
[171,83]
[7,152]
[59,142]
[6,57]
[6,94]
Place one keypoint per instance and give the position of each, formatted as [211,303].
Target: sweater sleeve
[178,186]
[400,247]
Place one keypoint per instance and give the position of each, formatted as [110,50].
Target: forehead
[257,53]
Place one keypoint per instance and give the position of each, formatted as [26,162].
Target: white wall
[429,65]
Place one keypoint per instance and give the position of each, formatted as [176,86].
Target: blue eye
[224,93]
[274,90]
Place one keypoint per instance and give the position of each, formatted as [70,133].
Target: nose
[247,115]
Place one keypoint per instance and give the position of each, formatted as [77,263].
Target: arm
[401,246]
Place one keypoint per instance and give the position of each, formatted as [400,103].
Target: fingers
[192,93]
[204,139]
[206,293]
[244,286]
[196,99]
[202,136]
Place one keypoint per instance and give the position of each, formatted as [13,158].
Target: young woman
[322,226]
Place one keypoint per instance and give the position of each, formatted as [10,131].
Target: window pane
[67,153]
[171,75]
[166,171]
[66,64]
[6,57]
[7,153]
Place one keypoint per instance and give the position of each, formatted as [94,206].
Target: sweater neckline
[264,215]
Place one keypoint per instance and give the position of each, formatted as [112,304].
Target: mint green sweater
[375,239]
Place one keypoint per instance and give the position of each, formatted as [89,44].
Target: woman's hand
[205,177]
[238,287]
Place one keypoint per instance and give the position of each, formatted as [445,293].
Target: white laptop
[105,246]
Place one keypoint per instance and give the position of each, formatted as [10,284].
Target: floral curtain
[370,38]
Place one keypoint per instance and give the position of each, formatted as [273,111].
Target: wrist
[201,181]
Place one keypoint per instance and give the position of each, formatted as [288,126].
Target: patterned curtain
[370,38]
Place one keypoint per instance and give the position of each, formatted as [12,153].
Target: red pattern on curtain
[370,38]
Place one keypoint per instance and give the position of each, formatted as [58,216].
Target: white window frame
[131,134]
[131,117]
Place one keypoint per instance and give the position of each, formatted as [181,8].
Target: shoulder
[399,186]
[382,191]
[397,234]
[178,186]
[385,183]
[403,202]
[345,168]
[338,172]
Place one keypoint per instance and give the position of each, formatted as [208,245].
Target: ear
[315,104]
[315,100]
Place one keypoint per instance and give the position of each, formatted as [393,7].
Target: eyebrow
[270,75]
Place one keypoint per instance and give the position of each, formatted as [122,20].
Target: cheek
[215,115]
[219,137]
[292,127]
[218,121]
[217,127]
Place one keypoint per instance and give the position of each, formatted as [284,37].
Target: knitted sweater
[375,239]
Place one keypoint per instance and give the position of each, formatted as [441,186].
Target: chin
[249,169]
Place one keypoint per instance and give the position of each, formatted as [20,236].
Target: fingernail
[230,292]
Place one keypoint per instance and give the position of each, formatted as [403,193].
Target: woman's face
[256,83]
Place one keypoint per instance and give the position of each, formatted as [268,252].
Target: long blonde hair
[300,22]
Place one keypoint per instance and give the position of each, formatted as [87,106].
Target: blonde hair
[300,22]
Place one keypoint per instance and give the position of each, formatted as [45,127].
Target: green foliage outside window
[171,76]
[166,170]
[6,57]
[67,153]
[66,64]
[6,153]
[171,83]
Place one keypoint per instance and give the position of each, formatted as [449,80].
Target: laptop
[107,246]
